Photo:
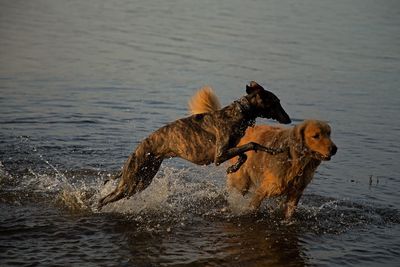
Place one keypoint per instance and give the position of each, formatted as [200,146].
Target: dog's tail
[205,100]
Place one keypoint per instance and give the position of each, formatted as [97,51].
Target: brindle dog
[201,139]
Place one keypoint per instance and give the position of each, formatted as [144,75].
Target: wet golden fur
[285,174]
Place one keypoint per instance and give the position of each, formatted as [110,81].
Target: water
[82,82]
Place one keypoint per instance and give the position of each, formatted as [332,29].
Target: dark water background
[82,82]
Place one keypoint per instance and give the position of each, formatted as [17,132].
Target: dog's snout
[285,119]
[333,149]
[282,116]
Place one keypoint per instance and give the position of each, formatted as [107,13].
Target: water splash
[173,191]
[3,173]
[181,195]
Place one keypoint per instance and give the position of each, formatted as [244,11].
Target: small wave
[328,215]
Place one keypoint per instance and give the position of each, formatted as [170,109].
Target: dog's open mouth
[326,157]
[320,156]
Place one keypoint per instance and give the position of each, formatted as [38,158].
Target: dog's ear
[298,134]
[253,87]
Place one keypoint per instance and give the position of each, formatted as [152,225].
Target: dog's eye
[316,136]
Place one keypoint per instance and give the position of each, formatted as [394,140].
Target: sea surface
[83,82]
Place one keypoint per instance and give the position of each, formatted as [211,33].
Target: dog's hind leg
[137,174]
[115,177]
[121,190]
[145,175]
[115,195]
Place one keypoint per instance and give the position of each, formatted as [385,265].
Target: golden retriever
[285,174]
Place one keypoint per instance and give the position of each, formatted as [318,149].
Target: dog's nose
[333,150]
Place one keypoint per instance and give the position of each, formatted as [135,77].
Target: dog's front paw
[232,169]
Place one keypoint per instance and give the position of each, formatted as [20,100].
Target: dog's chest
[238,131]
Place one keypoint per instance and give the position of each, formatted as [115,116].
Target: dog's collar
[243,104]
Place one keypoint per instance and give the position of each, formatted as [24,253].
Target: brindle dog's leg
[235,167]
[137,174]
[122,188]
[145,175]
[225,154]
[115,177]
[117,194]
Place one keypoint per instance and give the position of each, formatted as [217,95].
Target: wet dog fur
[285,174]
[210,137]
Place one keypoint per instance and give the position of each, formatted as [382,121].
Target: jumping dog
[202,139]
